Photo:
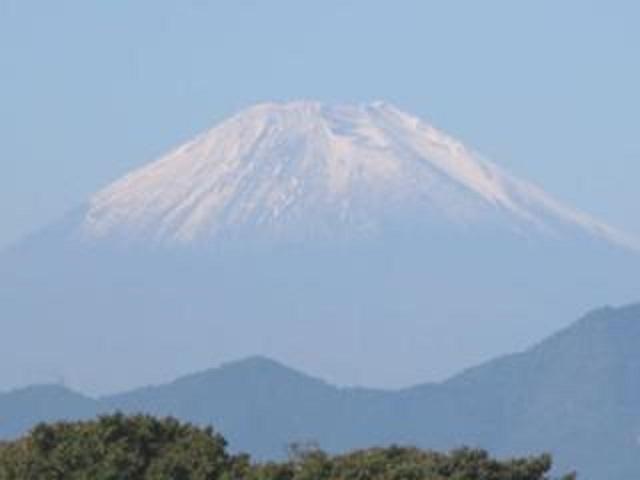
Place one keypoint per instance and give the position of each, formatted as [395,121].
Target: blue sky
[90,89]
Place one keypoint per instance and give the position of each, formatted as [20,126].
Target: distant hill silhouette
[22,409]
[575,395]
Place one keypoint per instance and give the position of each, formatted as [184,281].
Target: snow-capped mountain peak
[305,168]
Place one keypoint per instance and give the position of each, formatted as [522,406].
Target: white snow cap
[276,166]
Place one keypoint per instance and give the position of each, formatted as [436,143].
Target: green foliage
[144,448]
[116,448]
[397,463]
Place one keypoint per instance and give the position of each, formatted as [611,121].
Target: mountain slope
[304,169]
[576,395]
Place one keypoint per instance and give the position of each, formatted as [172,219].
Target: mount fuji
[356,242]
[306,171]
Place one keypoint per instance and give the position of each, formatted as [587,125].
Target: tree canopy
[118,447]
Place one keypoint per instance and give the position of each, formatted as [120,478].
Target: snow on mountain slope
[282,169]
